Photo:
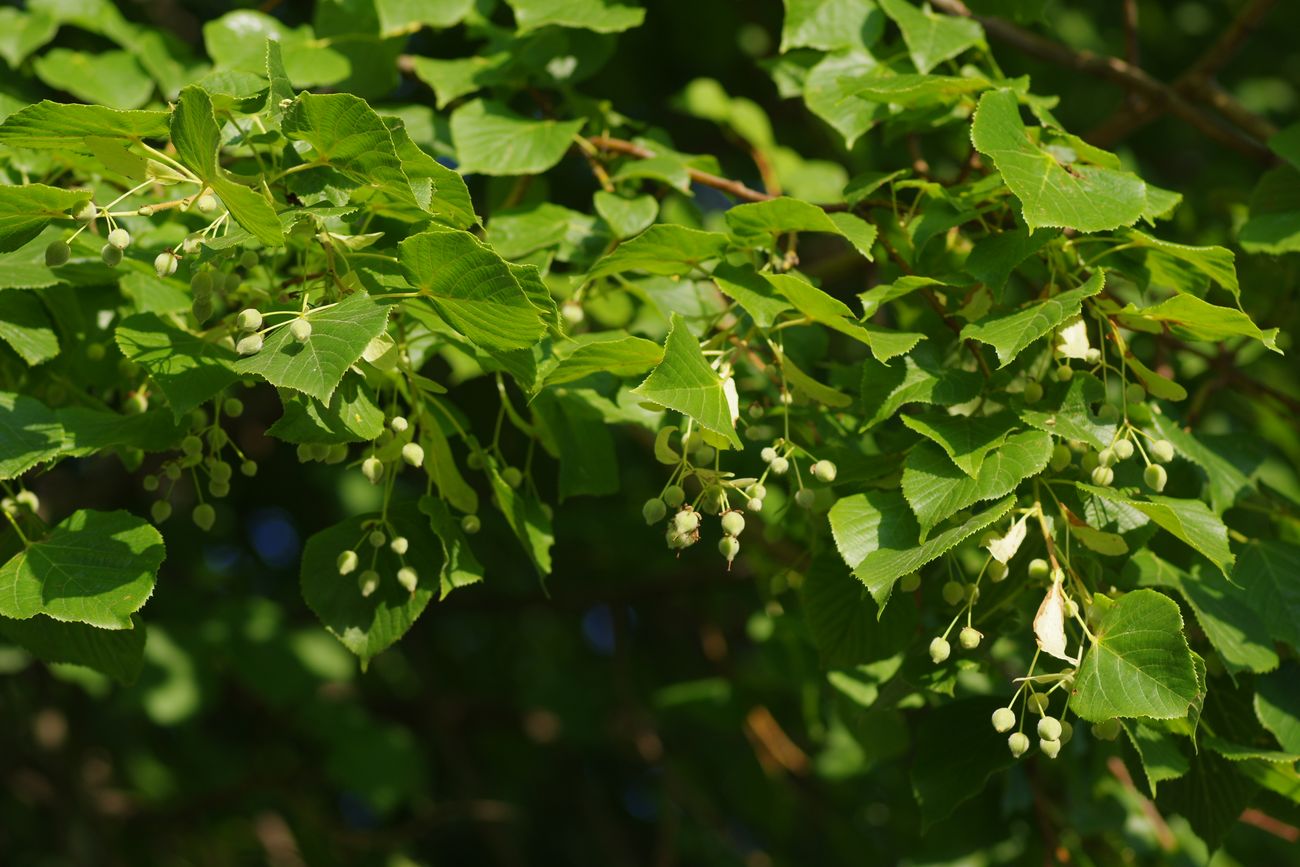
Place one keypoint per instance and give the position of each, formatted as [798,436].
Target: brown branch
[1267,823]
[726,185]
[1161,96]
[1163,835]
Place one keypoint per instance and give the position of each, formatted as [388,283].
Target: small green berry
[217,438]
[377,538]
[1004,719]
[111,255]
[161,510]
[705,454]
[1093,355]
[248,319]
[136,403]
[1064,373]
[1038,569]
[909,582]
[686,521]
[1135,393]
[1106,458]
[1108,413]
[756,492]
[1049,728]
[1061,457]
[779,466]
[1051,749]
[248,259]
[1018,743]
[729,547]
[1123,450]
[164,264]
[805,498]
[733,523]
[1103,476]
[1162,451]
[337,454]
[470,524]
[347,562]
[400,545]
[1033,391]
[754,505]
[399,424]
[474,460]
[172,471]
[95,351]
[824,471]
[512,477]
[997,571]
[221,471]
[57,253]
[939,650]
[969,638]
[954,593]
[674,496]
[207,203]
[1067,732]
[654,510]
[368,582]
[119,238]
[408,579]
[233,407]
[1107,730]
[373,469]
[149,483]
[202,309]
[249,345]
[301,330]
[413,454]
[768,454]
[86,214]
[1155,477]
[230,282]
[204,516]
[1037,702]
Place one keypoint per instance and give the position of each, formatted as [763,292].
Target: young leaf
[966,439]
[492,140]
[351,416]
[1011,333]
[460,568]
[118,653]
[1189,520]
[523,513]
[759,221]
[96,568]
[662,249]
[931,37]
[614,352]
[602,16]
[71,127]
[26,327]
[685,382]
[26,211]
[187,369]
[1139,665]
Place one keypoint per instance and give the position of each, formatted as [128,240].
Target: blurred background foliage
[647,710]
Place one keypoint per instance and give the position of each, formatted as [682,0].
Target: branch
[1161,96]
[726,185]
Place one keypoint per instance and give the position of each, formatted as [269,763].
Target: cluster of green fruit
[201,452]
[377,535]
[1052,732]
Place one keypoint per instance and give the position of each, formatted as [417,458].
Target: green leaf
[368,625]
[877,536]
[752,291]
[1277,704]
[523,513]
[56,126]
[1162,760]
[1189,318]
[1139,665]
[96,568]
[614,352]
[931,37]
[26,211]
[186,368]
[919,91]
[351,416]
[30,434]
[1267,570]
[21,34]
[626,216]
[471,287]
[602,16]
[937,490]
[447,196]
[516,232]
[440,465]
[759,221]
[26,327]
[1211,797]
[1011,333]
[831,93]
[833,313]
[111,78]
[1086,198]
[118,653]
[250,210]
[1274,223]
[966,439]
[1231,625]
[1066,411]
[845,623]
[957,751]
[1225,483]
[340,333]
[1216,263]
[996,256]
[917,378]
[452,79]
[1189,520]
[460,568]
[492,140]
[810,387]
[237,40]
[684,381]
[662,249]
[577,434]
[830,24]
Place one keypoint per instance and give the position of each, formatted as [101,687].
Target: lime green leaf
[966,439]
[1162,760]
[1139,665]
[452,79]
[492,140]
[1274,223]
[30,434]
[1231,625]
[626,216]
[21,34]
[96,568]
[368,624]
[26,211]
[831,93]
[830,24]
[918,378]
[1224,482]
[602,16]
[810,387]
[662,249]
[447,196]
[936,489]
[931,37]
[111,78]
[340,333]
[1012,333]
[27,328]
[833,313]
[1086,198]
[186,368]
[55,126]
[440,465]
[766,220]
[1277,704]
[1267,570]
[1066,412]
[877,536]
[402,16]
[472,288]
[237,40]
[250,209]
[684,381]
[1216,263]
[118,653]
[996,256]
[1189,520]
[917,91]
[523,512]
[351,416]
[752,291]
[614,352]
[279,87]
[1191,318]
[460,568]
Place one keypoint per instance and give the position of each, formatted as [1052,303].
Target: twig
[1163,835]
[1133,78]
[726,185]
